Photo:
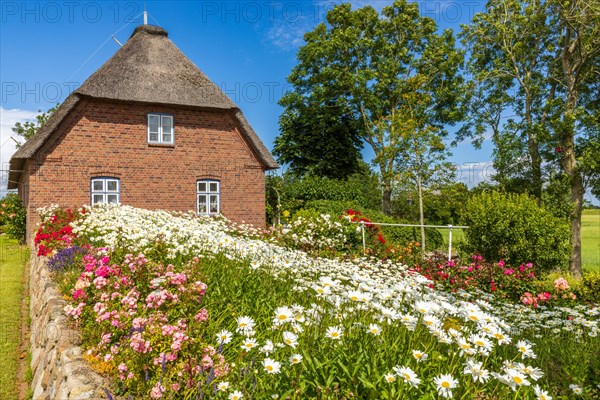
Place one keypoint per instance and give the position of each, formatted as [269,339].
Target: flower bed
[174,306]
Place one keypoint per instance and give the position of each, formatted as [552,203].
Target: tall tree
[543,56]
[28,128]
[512,56]
[578,25]
[366,62]
[318,139]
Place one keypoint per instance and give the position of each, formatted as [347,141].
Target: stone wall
[59,371]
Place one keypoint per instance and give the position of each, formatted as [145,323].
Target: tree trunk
[386,197]
[421,218]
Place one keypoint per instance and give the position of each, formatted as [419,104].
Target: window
[160,129]
[208,193]
[105,190]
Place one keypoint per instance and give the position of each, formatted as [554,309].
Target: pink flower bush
[561,284]
[134,311]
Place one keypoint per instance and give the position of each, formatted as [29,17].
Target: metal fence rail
[450,227]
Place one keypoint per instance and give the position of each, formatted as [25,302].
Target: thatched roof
[148,68]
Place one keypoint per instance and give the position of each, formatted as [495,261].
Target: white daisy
[271,366]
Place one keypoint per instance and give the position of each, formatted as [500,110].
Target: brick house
[147,129]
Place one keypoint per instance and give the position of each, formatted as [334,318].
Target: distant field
[590,238]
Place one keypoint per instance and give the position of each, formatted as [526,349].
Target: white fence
[450,227]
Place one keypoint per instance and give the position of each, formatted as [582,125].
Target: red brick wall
[102,138]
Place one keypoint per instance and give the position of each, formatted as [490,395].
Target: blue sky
[247,48]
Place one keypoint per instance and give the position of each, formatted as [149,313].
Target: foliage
[14,215]
[556,198]
[373,64]
[442,204]
[318,139]
[588,289]
[360,190]
[511,57]
[293,326]
[514,228]
[28,129]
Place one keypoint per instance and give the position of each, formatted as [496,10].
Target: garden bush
[14,216]
[515,229]
[588,288]
[318,234]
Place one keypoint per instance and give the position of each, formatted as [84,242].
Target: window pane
[167,124]
[214,204]
[153,137]
[97,199]
[112,198]
[202,207]
[111,185]
[214,187]
[202,187]
[167,138]
[153,123]
[98,186]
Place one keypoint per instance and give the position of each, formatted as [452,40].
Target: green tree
[578,25]
[317,138]
[543,57]
[366,62]
[28,129]
[512,56]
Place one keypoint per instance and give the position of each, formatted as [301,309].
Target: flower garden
[171,305]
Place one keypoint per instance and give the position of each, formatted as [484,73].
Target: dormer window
[160,129]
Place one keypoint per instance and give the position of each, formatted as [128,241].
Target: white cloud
[8,119]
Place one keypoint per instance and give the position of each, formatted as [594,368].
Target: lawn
[12,260]
[590,239]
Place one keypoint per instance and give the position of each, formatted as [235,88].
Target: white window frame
[103,192]
[207,194]
[160,133]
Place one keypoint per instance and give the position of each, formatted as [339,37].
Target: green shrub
[360,189]
[588,288]
[515,229]
[13,216]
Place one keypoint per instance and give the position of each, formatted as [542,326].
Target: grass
[12,260]
[458,235]
[590,239]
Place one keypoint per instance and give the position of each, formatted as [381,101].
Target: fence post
[362,226]
[450,243]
